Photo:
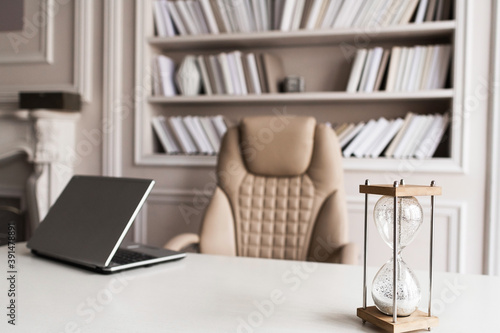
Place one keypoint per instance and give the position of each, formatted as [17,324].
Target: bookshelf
[319,56]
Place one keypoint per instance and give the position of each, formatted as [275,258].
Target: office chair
[280,194]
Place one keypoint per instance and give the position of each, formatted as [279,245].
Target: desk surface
[203,293]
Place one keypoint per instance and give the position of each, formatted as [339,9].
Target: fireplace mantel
[47,140]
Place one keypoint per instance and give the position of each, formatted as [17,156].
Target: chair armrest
[182,241]
[348,254]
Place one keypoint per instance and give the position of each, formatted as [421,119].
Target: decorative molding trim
[45,54]
[113,61]
[84,27]
[453,211]
[492,227]
[82,65]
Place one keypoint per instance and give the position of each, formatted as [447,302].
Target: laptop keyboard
[123,257]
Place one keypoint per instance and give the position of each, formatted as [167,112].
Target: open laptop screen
[90,218]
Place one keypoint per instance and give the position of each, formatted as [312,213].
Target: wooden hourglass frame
[418,319]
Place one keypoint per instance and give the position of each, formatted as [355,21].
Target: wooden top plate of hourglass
[401,190]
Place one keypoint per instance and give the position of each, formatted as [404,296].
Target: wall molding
[113,66]
[453,211]
[45,52]
[492,227]
[82,65]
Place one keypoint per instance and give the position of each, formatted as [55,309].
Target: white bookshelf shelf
[350,164]
[438,29]
[306,97]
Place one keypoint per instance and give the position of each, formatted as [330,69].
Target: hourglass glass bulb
[409,219]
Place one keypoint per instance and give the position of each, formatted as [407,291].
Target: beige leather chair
[280,194]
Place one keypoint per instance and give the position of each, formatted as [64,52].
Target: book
[359,139]
[258,15]
[387,137]
[357,70]
[157,89]
[443,66]
[366,70]
[207,86]
[180,132]
[424,55]
[410,63]
[413,140]
[240,72]
[200,132]
[196,12]
[345,140]
[165,137]
[273,71]
[365,11]
[306,13]
[421,10]
[166,67]
[409,11]
[314,14]
[235,80]
[297,15]
[380,130]
[408,133]
[400,72]
[277,13]
[354,12]
[187,19]
[195,134]
[415,67]
[159,19]
[382,70]
[287,15]
[390,149]
[376,17]
[222,15]
[322,13]
[216,71]
[176,18]
[342,133]
[370,137]
[431,11]
[426,70]
[254,73]
[211,133]
[420,135]
[373,69]
[331,14]
[220,125]
[226,73]
[393,68]
[262,74]
[209,16]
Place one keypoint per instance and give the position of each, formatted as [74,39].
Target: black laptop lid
[90,218]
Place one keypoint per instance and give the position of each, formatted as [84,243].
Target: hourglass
[398,217]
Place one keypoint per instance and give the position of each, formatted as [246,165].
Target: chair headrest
[277,145]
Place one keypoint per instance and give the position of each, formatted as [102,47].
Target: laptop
[88,222]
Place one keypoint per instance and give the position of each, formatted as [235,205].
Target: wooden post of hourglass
[418,319]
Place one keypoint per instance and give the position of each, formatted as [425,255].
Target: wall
[177,202]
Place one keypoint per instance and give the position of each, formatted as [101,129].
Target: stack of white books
[196,17]
[415,136]
[400,69]
[190,134]
[226,73]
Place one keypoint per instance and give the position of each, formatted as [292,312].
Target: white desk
[204,293]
